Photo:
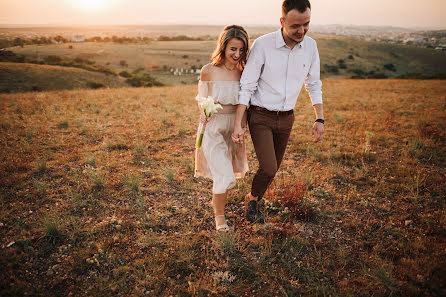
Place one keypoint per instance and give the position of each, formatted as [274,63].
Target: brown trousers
[270,132]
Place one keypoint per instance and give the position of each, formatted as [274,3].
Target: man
[279,64]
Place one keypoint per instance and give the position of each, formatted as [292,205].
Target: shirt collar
[280,42]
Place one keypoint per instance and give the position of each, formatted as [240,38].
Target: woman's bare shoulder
[207,72]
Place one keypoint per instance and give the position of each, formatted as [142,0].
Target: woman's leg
[219,202]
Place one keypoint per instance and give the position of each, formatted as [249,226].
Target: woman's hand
[204,119]
[238,135]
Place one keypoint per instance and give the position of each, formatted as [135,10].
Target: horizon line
[21,25]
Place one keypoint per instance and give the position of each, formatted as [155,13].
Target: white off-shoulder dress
[219,158]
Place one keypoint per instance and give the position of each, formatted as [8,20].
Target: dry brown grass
[97,195]
[22,77]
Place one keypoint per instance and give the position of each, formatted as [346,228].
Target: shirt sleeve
[251,74]
[313,83]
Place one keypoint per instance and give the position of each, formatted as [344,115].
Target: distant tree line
[18,41]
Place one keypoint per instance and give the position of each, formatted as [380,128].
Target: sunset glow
[92,5]
[400,13]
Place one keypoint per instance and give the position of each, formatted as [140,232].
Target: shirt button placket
[288,76]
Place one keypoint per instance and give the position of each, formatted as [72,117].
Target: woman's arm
[239,124]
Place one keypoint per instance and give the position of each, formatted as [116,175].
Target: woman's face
[234,51]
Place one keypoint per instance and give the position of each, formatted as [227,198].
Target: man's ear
[282,20]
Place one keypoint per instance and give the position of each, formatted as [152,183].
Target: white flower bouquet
[209,107]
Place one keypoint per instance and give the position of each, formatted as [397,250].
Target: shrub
[341,64]
[331,68]
[390,67]
[358,71]
[94,85]
[125,74]
[8,56]
[134,82]
[377,75]
[53,59]
[107,71]
[143,81]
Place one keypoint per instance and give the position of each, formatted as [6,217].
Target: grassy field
[98,197]
[340,57]
[21,77]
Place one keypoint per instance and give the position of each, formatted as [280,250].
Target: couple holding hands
[259,93]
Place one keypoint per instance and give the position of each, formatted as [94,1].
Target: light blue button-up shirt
[275,73]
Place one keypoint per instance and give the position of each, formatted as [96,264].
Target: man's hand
[238,136]
[318,131]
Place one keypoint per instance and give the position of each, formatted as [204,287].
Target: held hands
[318,131]
[238,136]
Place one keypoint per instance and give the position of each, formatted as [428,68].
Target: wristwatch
[320,121]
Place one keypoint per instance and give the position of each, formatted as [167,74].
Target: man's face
[295,25]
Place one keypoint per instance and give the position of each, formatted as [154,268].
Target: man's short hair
[300,5]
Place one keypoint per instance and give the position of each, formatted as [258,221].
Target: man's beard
[295,39]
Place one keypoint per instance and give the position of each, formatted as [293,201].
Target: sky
[397,13]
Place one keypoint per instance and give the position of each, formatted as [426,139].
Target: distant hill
[21,77]
[347,57]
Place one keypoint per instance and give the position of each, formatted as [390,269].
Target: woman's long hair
[229,32]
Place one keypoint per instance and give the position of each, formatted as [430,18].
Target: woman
[219,158]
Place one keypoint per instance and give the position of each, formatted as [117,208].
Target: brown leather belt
[272,112]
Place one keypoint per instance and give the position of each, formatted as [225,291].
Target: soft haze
[400,13]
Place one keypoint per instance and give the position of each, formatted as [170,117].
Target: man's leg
[281,135]
[261,129]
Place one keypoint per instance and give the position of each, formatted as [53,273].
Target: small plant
[52,228]
[63,125]
[338,118]
[140,151]
[384,276]
[169,174]
[132,182]
[40,187]
[227,242]
[117,147]
[98,179]
[223,278]
[91,160]
[41,166]
[416,146]
[368,137]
